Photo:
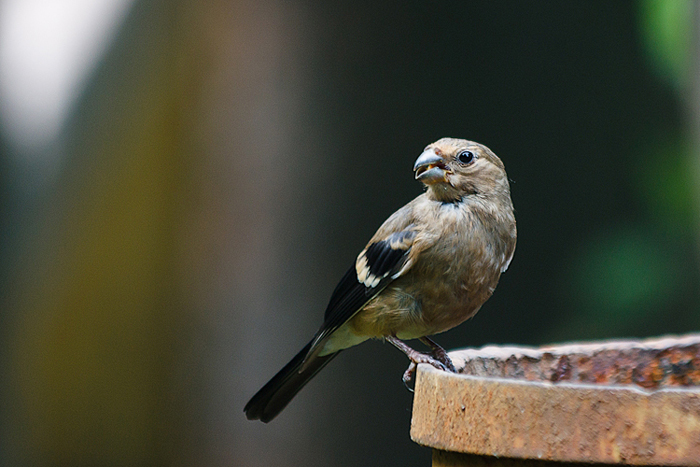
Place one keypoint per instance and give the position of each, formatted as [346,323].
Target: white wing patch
[383,258]
[363,272]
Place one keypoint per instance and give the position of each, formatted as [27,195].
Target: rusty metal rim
[570,422]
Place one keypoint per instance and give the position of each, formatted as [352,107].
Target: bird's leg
[415,357]
[439,353]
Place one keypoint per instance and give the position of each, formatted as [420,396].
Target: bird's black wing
[375,269]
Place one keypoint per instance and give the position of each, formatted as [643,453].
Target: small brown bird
[429,267]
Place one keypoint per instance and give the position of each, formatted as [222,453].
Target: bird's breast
[461,251]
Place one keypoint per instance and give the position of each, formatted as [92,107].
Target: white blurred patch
[47,50]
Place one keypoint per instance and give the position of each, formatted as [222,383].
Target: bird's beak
[431,168]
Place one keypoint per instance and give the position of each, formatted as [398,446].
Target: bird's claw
[440,366]
[408,375]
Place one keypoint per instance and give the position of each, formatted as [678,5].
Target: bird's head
[454,168]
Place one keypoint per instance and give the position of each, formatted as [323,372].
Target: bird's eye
[465,157]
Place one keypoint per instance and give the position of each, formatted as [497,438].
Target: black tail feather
[269,401]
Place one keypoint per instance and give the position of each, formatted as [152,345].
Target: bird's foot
[439,353]
[435,359]
[421,358]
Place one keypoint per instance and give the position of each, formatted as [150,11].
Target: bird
[429,267]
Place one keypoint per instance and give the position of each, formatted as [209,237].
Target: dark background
[227,161]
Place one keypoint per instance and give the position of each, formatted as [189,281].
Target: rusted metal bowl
[616,402]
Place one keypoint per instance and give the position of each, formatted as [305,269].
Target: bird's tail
[269,401]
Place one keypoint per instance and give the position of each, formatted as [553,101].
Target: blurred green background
[171,234]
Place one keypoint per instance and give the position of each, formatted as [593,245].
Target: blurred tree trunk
[152,249]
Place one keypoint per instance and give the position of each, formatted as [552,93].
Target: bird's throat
[444,192]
